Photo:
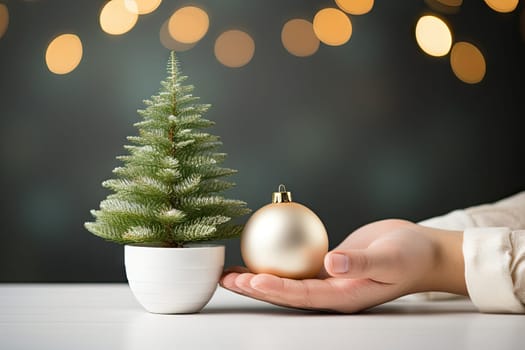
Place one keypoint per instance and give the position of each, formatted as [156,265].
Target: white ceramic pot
[173,280]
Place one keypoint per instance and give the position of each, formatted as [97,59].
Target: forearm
[508,213]
[486,264]
[451,263]
[448,273]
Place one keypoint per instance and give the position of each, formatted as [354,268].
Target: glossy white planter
[173,280]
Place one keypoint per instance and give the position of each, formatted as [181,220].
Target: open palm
[377,263]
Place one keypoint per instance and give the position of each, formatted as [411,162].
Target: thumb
[354,263]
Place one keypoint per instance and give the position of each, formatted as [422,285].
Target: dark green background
[369,130]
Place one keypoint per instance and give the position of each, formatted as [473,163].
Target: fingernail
[266,284]
[339,263]
[258,286]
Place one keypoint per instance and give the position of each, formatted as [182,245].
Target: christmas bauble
[285,239]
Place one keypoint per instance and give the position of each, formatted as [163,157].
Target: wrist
[448,271]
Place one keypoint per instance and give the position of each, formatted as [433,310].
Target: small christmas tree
[168,190]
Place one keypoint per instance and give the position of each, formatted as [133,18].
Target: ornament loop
[282,196]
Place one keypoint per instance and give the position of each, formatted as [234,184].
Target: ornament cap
[282,196]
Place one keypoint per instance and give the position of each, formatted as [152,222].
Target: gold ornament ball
[285,239]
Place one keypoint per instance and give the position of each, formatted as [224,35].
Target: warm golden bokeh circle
[142,7]
[168,42]
[467,62]
[298,38]
[64,53]
[116,19]
[332,26]
[503,6]
[433,36]
[355,7]
[4,19]
[234,48]
[188,24]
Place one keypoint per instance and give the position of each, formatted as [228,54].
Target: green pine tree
[168,190]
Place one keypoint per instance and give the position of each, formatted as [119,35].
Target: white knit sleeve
[495,268]
[509,212]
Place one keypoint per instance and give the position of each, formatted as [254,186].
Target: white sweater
[494,252]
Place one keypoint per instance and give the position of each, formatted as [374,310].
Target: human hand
[377,263]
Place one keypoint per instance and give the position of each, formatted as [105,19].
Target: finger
[358,263]
[277,291]
[243,282]
[305,294]
[240,284]
[228,281]
[332,294]
[283,290]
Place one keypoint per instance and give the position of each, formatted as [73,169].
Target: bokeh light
[467,62]
[355,7]
[433,36]
[168,42]
[4,19]
[116,19]
[64,53]
[188,24]
[332,26]
[503,6]
[142,7]
[234,48]
[298,37]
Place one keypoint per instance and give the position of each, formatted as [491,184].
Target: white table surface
[106,316]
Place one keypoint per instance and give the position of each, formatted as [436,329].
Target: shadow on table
[270,310]
[396,308]
[426,308]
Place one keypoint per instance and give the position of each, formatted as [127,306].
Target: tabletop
[106,316]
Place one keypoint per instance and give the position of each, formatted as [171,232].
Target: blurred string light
[355,7]
[116,19]
[298,38]
[332,26]
[141,7]
[4,19]
[168,42]
[64,53]
[467,62]
[503,6]
[433,36]
[234,48]
[188,24]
